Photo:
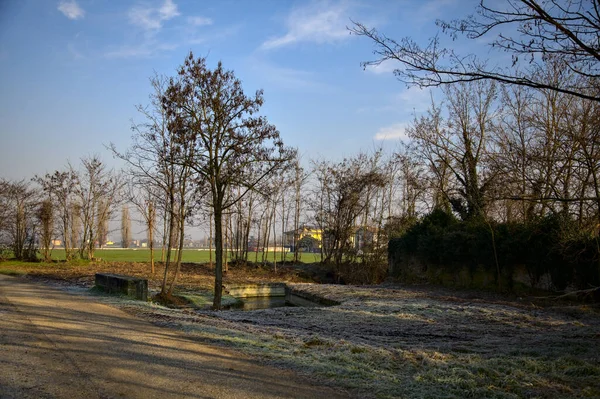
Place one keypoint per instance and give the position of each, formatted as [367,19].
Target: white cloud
[286,78]
[393,132]
[144,50]
[168,10]
[385,67]
[318,22]
[415,98]
[152,18]
[199,21]
[431,10]
[408,101]
[71,9]
[75,52]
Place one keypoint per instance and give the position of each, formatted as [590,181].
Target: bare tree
[515,144]
[585,134]
[98,190]
[208,110]
[60,187]
[154,162]
[341,201]
[102,223]
[460,145]
[75,227]
[547,150]
[20,202]
[4,211]
[46,218]
[125,227]
[300,177]
[565,30]
[150,218]
[144,198]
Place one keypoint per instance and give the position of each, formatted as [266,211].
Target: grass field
[189,255]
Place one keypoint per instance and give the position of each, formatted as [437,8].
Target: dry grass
[397,341]
[192,275]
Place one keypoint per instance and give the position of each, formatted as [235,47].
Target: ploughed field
[388,341]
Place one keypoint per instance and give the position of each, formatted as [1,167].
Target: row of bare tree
[511,141]
[509,153]
[507,144]
[73,205]
[503,153]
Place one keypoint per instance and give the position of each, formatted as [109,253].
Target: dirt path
[56,345]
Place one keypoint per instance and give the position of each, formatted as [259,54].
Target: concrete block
[133,287]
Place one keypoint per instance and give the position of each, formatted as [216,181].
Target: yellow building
[304,234]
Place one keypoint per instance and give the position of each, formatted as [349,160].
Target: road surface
[58,345]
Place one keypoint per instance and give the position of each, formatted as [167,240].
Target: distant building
[308,238]
[363,236]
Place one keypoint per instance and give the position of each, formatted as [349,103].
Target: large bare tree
[208,110]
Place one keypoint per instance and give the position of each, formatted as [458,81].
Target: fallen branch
[594,293]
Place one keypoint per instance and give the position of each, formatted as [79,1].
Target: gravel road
[57,345]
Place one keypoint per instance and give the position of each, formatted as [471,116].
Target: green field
[189,255]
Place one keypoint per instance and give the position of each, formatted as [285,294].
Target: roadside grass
[12,272]
[20,268]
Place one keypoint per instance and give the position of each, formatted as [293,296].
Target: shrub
[550,245]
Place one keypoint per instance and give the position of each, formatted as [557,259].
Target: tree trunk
[210,239]
[151,244]
[274,239]
[228,242]
[283,226]
[247,228]
[297,223]
[164,237]
[181,226]
[257,243]
[171,210]
[218,257]
[267,234]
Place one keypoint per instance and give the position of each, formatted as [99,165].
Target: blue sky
[72,71]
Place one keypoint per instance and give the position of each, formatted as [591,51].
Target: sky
[72,71]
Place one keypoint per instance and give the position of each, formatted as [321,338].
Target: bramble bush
[550,246]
